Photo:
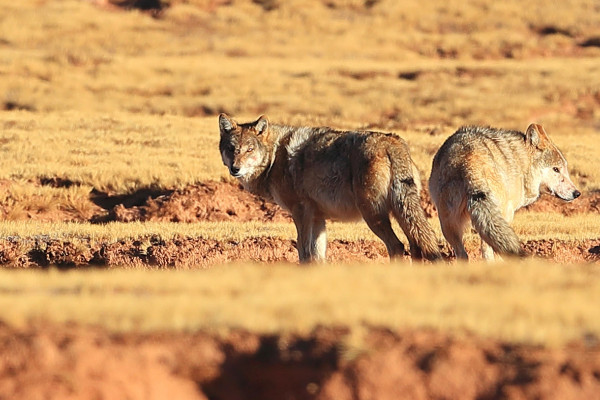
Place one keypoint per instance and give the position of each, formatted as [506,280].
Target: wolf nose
[576,194]
[234,170]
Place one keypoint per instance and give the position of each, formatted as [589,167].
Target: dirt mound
[210,201]
[189,252]
[75,362]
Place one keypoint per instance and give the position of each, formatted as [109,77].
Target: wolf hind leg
[487,252]
[379,223]
[453,227]
[454,236]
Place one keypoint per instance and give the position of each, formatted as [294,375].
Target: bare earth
[73,362]
[214,201]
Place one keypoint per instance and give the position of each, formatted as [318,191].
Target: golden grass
[117,98]
[117,153]
[530,302]
[244,60]
[528,225]
[124,152]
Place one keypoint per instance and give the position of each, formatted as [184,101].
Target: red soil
[187,252]
[74,362]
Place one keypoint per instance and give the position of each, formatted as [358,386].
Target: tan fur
[483,175]
[320,173]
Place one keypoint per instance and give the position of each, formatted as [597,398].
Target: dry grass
[474,63]
[528,225]
[114,96]
[531,302]
[120,153]
[123,153]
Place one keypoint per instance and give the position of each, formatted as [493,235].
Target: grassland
[559,301]
[102,100]
[529,226]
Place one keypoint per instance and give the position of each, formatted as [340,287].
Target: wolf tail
[493,229]
[407,209]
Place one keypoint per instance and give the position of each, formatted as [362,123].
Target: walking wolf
[321,173]
[484,175]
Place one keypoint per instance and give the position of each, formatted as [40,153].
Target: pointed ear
[261,125]
[226,124]
[536,135]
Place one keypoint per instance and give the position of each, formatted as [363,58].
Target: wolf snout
[235,171]
[569,196]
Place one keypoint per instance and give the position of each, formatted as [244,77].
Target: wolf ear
[261,125]
[226,124]
[536,135]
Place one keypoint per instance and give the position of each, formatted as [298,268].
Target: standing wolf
[319,173]
[484,175]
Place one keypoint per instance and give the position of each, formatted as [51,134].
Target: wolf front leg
[319,240]
[312,239]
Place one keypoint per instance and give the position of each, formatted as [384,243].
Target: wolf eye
[555,169]
[249,149]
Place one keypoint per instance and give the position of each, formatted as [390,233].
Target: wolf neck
[531,183]
[255,183]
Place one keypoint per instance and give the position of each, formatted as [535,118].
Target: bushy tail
[492,227]
[406,207]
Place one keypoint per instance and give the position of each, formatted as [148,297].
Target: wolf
[484,175]
[318,173]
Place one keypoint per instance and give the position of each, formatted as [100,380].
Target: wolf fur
[321,173]
[484,175]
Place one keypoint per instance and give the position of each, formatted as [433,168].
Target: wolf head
[242,146]
[550,165]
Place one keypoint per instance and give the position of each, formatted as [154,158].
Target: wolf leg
[319,240]
[380,225]
[312,238]
[453,232]
[486,251]
[304,231]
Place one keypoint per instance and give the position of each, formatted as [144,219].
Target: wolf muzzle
[234,171]
[573,195]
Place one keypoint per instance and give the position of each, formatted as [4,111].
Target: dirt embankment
[187,252]
[58,362]
[207,201]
